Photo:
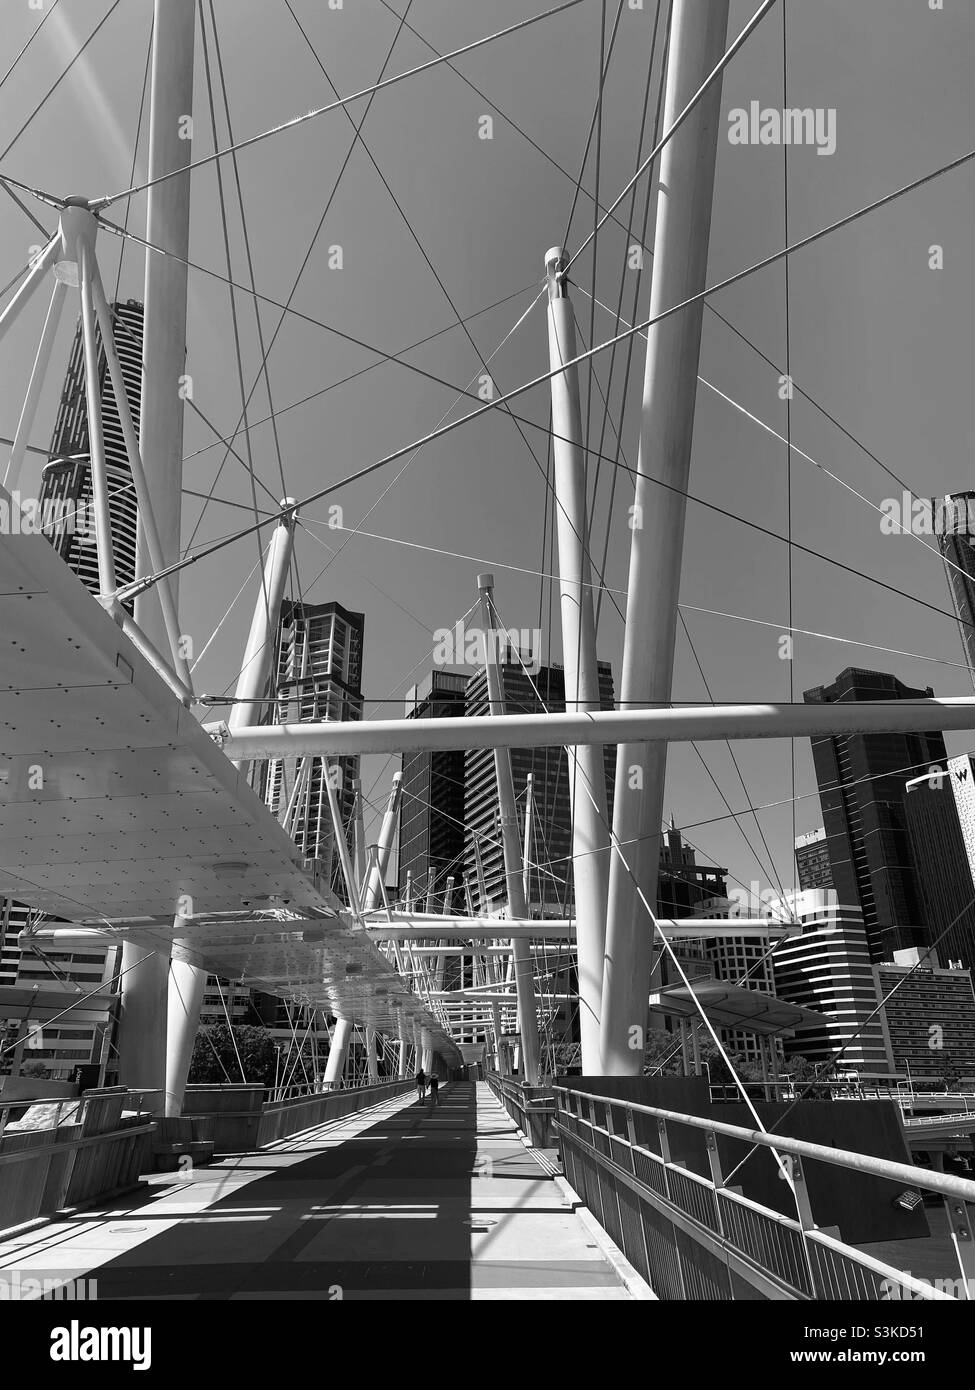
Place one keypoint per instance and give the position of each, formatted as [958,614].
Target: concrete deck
[403,1201]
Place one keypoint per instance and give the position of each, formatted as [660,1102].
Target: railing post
[959,1216]
[631,1129]
[793,1167]
[717,1178]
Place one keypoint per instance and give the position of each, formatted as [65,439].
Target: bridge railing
[61,1153]
[245,1119]
[282,1118]
[693,1237]
[531,1107]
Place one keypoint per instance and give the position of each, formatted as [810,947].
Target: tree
[803,1072]
[664,1058]
[214,1056]
[663,1055]
[37,1069]
[950,1070]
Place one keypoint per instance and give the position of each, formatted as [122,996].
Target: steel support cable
[378,587]
[172,980]
[699,297]
[230,1029]
[483,836]
[286,307]
[262,348]
[344,101]
[247,250]
[383,357]
[4,184]
[549,464]
[793,545]
[786,801]
[624,394]
[422,662]
[226,615]
[75,1003]
[669,134]
[794,449]
[213,429]
[234,323]
[788,421]
[658,932]
[604,62]
[484,362]
[509,120]
[354,531]
[344,381]
[731,752]
[595,246]
[826,1067]
[33,35]
[552,577]
[135,148]
[51,90]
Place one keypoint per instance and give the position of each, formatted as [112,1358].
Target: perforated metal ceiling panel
[117,811]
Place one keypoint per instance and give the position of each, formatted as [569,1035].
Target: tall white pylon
[587,770]
[680,258]
[524,970]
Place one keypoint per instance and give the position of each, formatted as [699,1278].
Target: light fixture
[908,1200]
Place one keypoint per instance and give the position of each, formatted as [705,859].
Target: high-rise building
[685,887]
[940,809]
[955,529]
[827,968]
[66,490]
[551,856]
[812,860]
[79,1036]
[317,675]
[928,1022]
[65,508]
[431,825]
[861,787]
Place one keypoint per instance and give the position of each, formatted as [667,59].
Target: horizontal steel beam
[699,724]
[452,929]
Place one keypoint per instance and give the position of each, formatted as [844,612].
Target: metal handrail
[820,1266]
[945,1183]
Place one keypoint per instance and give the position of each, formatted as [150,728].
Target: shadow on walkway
[385,1213]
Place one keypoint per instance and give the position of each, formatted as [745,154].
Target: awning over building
[730,1006]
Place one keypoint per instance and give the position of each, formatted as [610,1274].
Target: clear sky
[878,337]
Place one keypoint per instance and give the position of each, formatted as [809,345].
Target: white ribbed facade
[827,968]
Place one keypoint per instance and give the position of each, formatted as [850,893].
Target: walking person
[435,1090]
[421,1085]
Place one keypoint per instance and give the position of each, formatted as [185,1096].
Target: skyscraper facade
[66,509]
[813,868]
[316,676]
[955,529]
[685,887]
[550,873]
[431,825]
[827,968]
[862,791]
[928,1019]
[940,809]
[66,489]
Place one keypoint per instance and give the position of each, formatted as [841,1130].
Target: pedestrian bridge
[404,1200]
[500,1191]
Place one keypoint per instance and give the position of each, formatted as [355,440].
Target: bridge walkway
[403,1201]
